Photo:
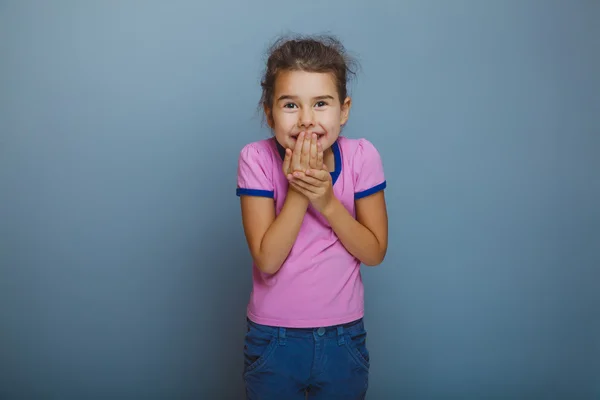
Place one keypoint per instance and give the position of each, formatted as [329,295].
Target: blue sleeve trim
[255,192]
[369,192]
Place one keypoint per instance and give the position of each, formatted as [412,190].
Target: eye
[289,105]
[321,104]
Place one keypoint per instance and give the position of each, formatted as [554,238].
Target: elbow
[375,259]
[264,261]
[266,267]
[374,262]
[267,262]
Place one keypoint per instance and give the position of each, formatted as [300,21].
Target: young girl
[313,210]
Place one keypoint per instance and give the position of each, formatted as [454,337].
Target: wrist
[331,208]
[295,197]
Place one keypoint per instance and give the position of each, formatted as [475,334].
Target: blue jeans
[289,363]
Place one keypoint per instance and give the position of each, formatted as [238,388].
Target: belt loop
[282,336]
[340,332]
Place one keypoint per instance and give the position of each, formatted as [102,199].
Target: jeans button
[321,331]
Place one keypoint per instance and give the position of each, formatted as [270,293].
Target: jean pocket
[356,343]
[258,348]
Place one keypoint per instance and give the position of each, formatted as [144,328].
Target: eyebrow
[290,97]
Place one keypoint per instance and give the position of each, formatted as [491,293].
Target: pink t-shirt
[320,283]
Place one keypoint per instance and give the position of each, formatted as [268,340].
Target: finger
[287,161]
[313,151]
[304,187]
[297,151]
[305,158]
[319,174]
[298,176]
[297,188]
[319,164]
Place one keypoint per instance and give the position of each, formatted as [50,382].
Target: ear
[268,115]
[345,110]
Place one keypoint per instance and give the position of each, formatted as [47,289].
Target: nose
[306,119]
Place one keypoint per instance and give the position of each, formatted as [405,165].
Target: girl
[313,210]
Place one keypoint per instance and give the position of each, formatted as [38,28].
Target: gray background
[123,267]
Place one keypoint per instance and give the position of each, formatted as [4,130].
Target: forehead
[303,83]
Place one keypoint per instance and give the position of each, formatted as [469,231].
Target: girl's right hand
[307,154]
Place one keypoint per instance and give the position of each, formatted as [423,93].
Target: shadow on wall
[223,281]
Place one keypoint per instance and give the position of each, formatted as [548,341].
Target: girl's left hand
[316,185]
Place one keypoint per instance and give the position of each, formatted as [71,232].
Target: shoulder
[261,147]
[364,164]
[258,152]
[255,169]
[359,150]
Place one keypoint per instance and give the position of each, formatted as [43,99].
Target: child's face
[306,102]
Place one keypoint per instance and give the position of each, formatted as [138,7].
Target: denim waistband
[324,331]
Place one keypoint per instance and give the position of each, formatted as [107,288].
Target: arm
[365,237]
[271,238]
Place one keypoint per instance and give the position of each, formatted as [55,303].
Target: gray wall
[123,267]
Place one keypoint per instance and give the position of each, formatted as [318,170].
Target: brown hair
[312,54]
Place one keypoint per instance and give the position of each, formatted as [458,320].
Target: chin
[325,143]
[286,143]
[290,143]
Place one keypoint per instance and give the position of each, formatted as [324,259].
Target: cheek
[284,121]
[332,120]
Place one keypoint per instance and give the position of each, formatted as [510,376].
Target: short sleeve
[253,176]
[368,170]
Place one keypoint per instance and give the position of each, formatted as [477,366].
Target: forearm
[281,235]
[356,238]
